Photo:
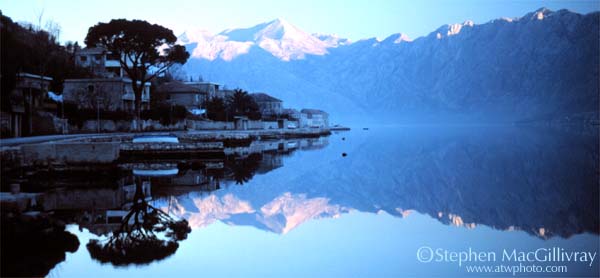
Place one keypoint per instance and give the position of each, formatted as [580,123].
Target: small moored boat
[155,173]
[170,138]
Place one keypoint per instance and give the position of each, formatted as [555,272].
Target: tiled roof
[289,111]
[176,87]
[93,50]
[262,97]
[312,111]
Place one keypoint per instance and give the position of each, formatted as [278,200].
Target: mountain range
[543,66]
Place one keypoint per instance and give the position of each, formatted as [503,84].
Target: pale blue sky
[355,19]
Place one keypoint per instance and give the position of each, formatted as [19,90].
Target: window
[98,57]
[83,58]
[90,89]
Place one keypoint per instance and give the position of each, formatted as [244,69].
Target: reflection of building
[105,93]
[100,215]
[97,197]
[28,97]
[199,179]
[269,162]
[204,176]
[314,143]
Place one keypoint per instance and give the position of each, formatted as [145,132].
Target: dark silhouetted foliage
[136,241]
[137,42]
[243,169]
[242,104]
[216,109]
[31,247]
[34,51]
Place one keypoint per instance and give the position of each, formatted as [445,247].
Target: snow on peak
[452,29]
[210,47]
[278,29]
[275,29]
[280,38]
[397,38]
[287,42]
[332,40]
[540,13]
[192,36]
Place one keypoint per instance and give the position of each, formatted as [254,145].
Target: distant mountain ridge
[278,37]
[541,66]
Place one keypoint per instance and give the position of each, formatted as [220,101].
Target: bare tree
[54,29]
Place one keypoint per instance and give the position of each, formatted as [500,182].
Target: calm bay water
[303,209]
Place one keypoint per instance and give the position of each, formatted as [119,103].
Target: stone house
[269,106]
[26,100]
[179,93]
[109,94]
[111,89]
[208,88]
[100,61]
[225,94]
[291,114]
[314,118]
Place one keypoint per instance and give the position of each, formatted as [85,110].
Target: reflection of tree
[146,234]
[243,169]
[32,246]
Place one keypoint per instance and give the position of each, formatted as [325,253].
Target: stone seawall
[69,153]
[144,151]
[109,148]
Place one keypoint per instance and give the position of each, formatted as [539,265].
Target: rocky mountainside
[541,66]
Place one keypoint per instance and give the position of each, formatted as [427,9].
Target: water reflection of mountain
[542,182]
[114,204]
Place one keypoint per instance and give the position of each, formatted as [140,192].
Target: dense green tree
[145,50]
[36,51]
[216,109]
[242,104]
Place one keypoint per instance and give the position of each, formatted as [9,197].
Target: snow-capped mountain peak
[510,69]
[541,13]
[277,29]
[397,38]
[332,40]
[197,35]
[278,37]
[449,30]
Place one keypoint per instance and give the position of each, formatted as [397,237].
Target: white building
[101,61]
[314,118]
